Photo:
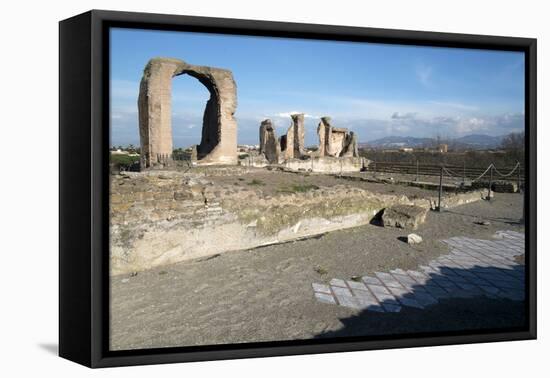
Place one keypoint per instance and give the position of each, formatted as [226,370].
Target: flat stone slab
[474,267]
[404,216]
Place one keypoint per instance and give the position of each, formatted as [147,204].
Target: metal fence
[475,176]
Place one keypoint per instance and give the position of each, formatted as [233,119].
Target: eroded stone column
[299,133]
[269,146]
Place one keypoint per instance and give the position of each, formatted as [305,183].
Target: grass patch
[298,188]
[356,278]
[123,159]
[320,270]
[256,182]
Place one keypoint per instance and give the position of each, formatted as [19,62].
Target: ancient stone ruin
[337,151]
[336,142]
[269,145]
[292,144]
[219,131]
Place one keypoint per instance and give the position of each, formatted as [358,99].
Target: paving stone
[371,280]
[398,271]
[474,267]
[410,302]
[391,307]
[457,279]
[325,298]
[386,299]
[399,291]
[364,294]
[424,299]
[341,291]
[419,277]
[388,279]
[444,282]
[366,303]
[428,270]
[376,308]
[321,288]
[356,285]
[489,289]
[466,286]
[378,289]
[405,280]
[507,284]
[437,292]
[348,301]
[467,274]
[338,282]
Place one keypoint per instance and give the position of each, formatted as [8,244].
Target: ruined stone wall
[336,142]
[326,164]
[162,218]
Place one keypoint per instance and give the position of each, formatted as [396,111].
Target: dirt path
[265,294]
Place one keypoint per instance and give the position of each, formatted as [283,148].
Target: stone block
[404,216]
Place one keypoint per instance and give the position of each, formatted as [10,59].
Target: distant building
[443,148]
[406,149]
[119,152]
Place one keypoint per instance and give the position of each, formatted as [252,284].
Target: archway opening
[190,102]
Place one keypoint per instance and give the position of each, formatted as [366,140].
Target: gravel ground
[265,294]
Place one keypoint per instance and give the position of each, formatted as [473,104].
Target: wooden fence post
[440,189]
[490,181]
[519,177]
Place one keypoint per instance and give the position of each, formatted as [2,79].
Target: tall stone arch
[219,130]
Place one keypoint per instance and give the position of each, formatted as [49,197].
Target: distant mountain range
[474,141]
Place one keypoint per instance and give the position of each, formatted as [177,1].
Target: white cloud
[398,115]
[455,105]
[288,114]
[424,74]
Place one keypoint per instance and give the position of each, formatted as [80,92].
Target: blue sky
[374,90]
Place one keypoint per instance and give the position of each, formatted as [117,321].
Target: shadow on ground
[445,302]
[51,348]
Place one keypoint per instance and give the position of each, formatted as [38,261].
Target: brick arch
[219,130]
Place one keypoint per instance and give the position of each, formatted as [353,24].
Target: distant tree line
[508,154]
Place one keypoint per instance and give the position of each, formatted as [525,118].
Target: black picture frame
[83,181]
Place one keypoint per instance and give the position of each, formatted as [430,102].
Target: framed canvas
[236,188]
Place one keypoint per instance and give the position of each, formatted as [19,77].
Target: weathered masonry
[336,142]
[269,145]
[219,130]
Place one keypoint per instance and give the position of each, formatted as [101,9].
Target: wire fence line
[461,172]
[472,175]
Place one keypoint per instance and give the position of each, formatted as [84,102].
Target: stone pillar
[155,111]
[323,131]
[269,146]
[350,146]
[299,133]
[287,144]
